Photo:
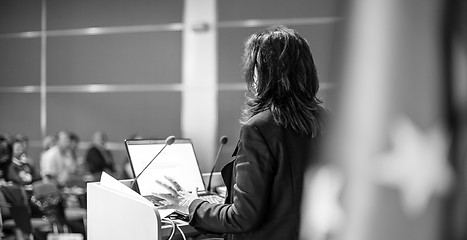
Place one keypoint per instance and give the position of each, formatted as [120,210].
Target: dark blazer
[264,184]
[99,160]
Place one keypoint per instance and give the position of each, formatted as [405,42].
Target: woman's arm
[253,169]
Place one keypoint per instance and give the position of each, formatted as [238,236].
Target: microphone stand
[223,141]
[168,141]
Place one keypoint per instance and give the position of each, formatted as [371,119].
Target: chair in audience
[75,211]
[49,199]
[16,214]
[76,188]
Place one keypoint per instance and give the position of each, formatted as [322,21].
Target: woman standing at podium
[282,122]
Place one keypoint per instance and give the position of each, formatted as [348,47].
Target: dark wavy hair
[286,81]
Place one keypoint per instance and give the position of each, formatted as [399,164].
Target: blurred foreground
[395,158]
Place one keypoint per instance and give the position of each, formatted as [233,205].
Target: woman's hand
[177,195]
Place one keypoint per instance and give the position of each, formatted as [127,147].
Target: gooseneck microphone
[168,141]
[223,141]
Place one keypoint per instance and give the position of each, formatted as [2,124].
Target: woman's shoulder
[264,123]
[261,118]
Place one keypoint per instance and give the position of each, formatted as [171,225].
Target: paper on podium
[110,182]
[114,184]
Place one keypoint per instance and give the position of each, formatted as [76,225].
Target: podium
[115,211]
[116,215]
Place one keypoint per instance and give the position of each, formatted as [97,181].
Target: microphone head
[224,140]
[169,140]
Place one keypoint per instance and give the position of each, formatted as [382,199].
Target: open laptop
[177,161]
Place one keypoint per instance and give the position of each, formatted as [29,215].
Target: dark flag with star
[455,49]
[390,167]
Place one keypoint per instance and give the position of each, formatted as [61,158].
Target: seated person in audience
[19,170]
[81,167]
[98,157]
[25,157]
[57,163]
[5,158]
[48,142]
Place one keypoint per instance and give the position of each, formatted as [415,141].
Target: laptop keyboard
[159,202]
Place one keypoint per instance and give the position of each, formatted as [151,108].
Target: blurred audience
[24,155]
[20,171]
[98,157]
[13,196]
[57,163]
[5,157]
[60,163]
[48,142]
[78,159]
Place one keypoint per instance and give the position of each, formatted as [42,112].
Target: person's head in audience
[24,140]
[99,139]
[5,150]
[18,149]
[63,141]
[74,141]
[8,137]
[48,142]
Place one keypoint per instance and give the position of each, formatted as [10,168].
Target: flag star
[323,213]
[416,165]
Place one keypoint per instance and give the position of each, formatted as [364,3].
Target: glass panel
[20,16]
[20,114]
[69,14]
[19,62]
[273,9]
[118,114]
[115,59]
[320,38]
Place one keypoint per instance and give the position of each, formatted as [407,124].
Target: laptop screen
[177,161]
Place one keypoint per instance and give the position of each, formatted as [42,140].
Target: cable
[172,223]
[174,227]
[181,232]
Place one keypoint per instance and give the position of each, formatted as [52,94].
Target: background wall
[116,66]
